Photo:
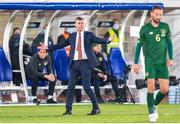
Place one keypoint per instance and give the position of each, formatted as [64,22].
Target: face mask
[70,30]
[17,35]
[116,26]
[44,31]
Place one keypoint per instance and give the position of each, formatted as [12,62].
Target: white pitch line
[43,104]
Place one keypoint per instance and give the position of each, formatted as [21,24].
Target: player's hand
[51,77]
[111,38]
[136,68]
[170,62]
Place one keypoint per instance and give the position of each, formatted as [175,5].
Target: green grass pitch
[110,113]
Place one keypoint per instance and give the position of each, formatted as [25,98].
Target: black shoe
[67,113]
[36,101]
[100,100]
[51,101]
[94,112]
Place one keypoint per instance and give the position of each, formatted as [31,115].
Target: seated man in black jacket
[40,68]
[99,76]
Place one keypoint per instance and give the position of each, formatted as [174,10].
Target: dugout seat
[61,64]
[5,68]
[6,76]
[117,63]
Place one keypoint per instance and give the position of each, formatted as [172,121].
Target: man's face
[116,22]
[42,53]
[156,15]
[116,25]
[79,25]
[100,75]
[17,31]
[97,48]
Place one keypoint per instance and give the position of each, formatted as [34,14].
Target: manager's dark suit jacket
[89,38]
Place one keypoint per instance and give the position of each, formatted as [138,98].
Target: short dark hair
[79,18]
[16,28]
[115,20]
[45,26]
[156,7]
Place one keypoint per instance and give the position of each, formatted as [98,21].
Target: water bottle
[0,99]
[172,95]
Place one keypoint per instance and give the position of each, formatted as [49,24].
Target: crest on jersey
[163,32]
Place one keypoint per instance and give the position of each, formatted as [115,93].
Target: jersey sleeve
[141,35]
[169,43]
[139,45]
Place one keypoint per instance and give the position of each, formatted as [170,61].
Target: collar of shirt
[82,33]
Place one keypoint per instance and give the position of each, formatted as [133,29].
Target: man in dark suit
[82,60]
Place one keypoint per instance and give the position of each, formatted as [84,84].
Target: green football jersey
[155,42]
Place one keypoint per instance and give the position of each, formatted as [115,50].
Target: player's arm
[169,47]
[169,44]
[137,52]
[139,44]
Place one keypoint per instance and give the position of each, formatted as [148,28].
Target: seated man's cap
[42,47]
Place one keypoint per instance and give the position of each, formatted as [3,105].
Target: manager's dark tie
[79,47]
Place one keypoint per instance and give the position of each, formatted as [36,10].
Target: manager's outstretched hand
[111,38]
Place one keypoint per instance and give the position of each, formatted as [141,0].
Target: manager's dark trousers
[80,68]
